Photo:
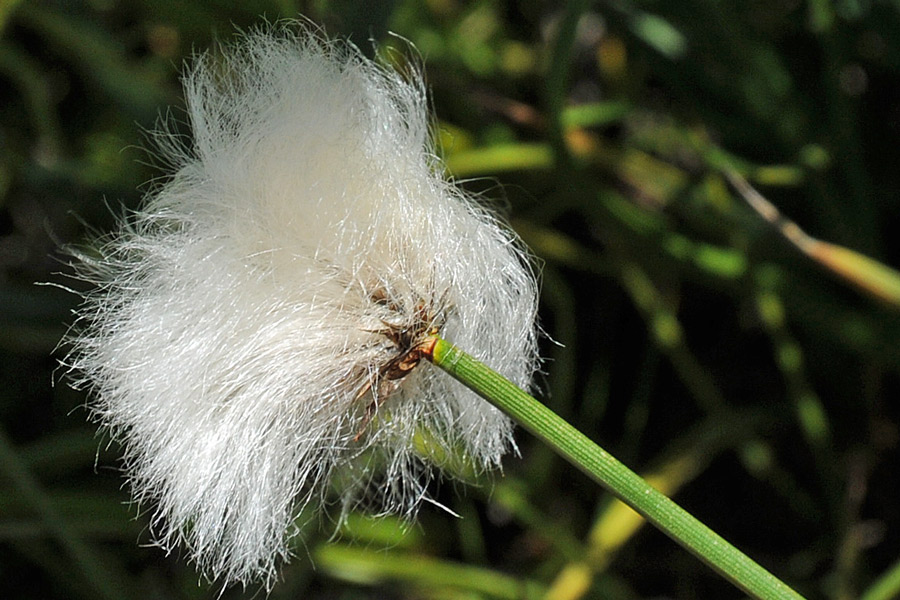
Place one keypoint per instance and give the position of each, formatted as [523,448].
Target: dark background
[755,380]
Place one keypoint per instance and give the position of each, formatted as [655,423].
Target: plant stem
[618,479]
[887,585]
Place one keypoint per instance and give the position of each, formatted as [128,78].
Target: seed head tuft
[254,336]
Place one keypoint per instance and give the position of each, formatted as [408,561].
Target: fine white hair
[243,337]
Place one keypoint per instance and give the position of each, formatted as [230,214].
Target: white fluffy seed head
[243,338]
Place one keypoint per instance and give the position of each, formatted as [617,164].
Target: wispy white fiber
[243,339]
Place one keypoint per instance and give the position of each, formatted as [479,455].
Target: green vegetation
[745,363]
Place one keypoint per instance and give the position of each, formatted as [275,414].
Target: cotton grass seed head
[249,338]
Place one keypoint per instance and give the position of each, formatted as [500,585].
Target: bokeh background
[750,372]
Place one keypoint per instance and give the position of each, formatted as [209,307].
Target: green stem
[887,586]
[363,564]
[618,479]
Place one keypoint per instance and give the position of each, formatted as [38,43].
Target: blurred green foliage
[754,380]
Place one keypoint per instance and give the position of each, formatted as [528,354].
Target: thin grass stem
[615,477]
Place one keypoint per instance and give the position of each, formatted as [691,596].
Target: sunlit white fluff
[241,313]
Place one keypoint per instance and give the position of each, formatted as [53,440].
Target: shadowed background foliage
[750,371]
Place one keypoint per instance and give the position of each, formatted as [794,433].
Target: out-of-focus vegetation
[749,371]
